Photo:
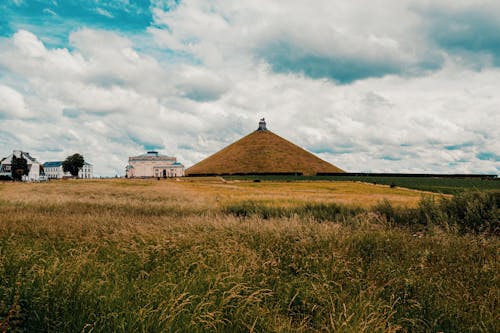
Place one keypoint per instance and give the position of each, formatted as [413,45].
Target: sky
[370,86]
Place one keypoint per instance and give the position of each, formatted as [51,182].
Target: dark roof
[52,164]
[28,156]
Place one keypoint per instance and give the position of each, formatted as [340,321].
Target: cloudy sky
[377,86]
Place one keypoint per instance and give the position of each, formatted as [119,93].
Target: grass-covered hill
[262,152]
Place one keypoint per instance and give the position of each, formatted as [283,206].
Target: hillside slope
[262,152]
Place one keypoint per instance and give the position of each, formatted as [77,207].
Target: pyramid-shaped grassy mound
[262,152]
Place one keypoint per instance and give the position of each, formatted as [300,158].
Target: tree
[73,164]
[19,167]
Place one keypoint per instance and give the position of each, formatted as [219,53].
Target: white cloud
[200,84]
[334,39]
[28,44]
[233,31]
[108,98]
[104,12]
[12,103]
[26,55]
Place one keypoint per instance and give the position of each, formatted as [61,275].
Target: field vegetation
[231,256]
[432,184]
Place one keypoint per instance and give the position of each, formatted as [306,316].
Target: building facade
[54,170]
[153,164]
[35,169]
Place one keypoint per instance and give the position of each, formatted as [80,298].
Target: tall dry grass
[151,256]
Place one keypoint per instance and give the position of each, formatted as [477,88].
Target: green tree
[19,167]
[73,164]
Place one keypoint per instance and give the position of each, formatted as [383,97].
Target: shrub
[475,211]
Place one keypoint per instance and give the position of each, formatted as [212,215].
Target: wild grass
[476,212]
[432,184]
[313,211]
[304,192]
[114,256]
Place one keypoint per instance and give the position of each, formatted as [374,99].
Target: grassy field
[285,193]
[210,255]
[432,184]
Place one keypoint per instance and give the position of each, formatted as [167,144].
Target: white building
[54,170]
[35,169]
[153,164]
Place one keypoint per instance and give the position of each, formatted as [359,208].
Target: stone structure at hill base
[262,152]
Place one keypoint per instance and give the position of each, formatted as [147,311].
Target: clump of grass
[473,211]
[315,211]
[12,316]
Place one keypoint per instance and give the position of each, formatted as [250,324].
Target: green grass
[432,184]
[125,264]
[467,212]
[315,211]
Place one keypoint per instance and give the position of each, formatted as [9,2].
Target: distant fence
[412,175]
[246,174]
